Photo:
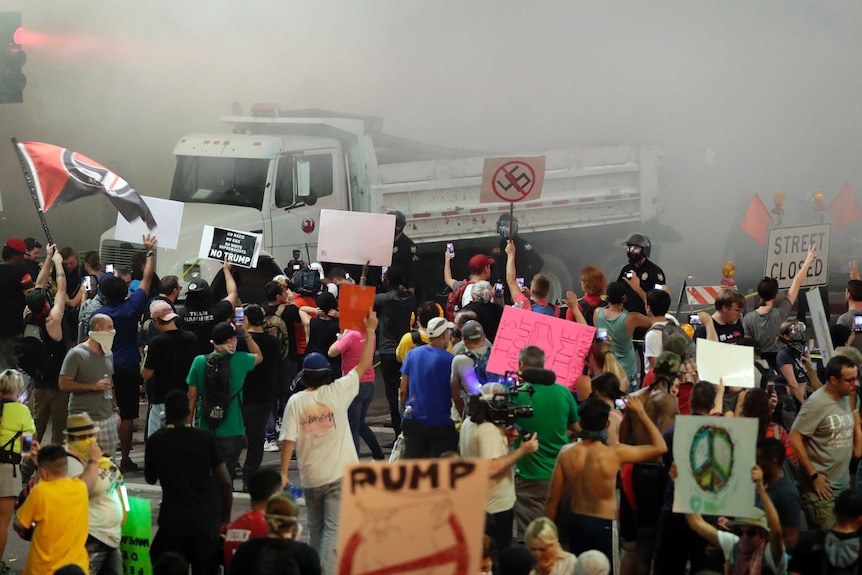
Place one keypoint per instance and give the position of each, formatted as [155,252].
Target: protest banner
[720,361]
[353,305]
[136,537]
[787,249]
[355,238]
[565,343]
[412,516]
[237,247]
[512,179]
[714,457]
[168,215]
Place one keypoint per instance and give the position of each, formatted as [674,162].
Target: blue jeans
[356,413]
[322,505]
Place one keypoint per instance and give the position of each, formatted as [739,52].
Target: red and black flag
[61,176]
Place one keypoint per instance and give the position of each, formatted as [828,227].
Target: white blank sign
[168,215]
[355,238]
[733,363]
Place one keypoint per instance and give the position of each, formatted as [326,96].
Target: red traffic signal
[12,58]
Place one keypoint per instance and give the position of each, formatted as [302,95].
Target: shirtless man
[589,470]
[639,522]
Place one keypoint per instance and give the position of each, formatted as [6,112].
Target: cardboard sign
[821,324]
[168,215]
[240,248]
[137,535]
[355,238]
[732,363]
[353,305]
[787,249]
[512,179]
[714,457]
[412,516]
[566,343]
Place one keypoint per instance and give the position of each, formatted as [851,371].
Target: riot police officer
[405,255]
[638,248]
[529,261]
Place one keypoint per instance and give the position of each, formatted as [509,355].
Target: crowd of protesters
[584,484]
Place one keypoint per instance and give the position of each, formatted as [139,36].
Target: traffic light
[12,59]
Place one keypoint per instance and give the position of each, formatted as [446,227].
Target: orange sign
[353,305]
[512,179]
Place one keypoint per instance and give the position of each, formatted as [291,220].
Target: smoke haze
[742,97]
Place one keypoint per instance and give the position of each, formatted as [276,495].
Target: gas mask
[634,254]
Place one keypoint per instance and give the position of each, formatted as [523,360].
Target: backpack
[217,383]
[589,310]
[31,349]
[453,302]
[552,310]
[670,329]
[480,365]
[306,282]
[274,325]
[417,338]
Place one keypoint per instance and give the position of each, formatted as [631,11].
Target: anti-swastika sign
[512,179]
[787,249]
[412,516]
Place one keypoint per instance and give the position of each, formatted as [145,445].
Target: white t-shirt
[487,441]
[467,296]
[106,505]
[728,541]
[317,421]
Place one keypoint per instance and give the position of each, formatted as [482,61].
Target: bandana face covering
[81,447]
[228,347]
[105,338]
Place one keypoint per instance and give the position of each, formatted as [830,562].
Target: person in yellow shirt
[426,312]
[57,508]
[15,422]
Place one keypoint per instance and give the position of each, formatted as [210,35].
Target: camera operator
[483,435]
[554,414]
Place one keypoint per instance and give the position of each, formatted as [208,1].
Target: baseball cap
[437,326]
[197,285]
[315,370]
[314,361]
[472,330]
[162,310]
[480,262]
[17,245]
[222,332]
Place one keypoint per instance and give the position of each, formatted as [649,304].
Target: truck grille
[119,253]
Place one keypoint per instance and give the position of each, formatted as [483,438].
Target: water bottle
[109,392]
[294,490]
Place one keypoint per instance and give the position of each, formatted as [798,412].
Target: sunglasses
[750,532]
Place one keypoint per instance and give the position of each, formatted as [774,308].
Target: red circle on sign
[513,181]
[308,225]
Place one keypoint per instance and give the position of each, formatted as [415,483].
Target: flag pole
[27,177]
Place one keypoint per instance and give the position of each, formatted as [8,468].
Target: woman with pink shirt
[349,346]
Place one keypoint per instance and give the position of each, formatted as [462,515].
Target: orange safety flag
[845,209]
[756,220]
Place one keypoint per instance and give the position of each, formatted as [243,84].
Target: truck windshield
[227,181]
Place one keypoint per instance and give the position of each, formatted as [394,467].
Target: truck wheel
[559,275]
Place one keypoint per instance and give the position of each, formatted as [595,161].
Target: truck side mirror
[303,179]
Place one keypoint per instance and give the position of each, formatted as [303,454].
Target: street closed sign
[787,250]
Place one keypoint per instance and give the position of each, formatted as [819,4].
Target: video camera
[500,409]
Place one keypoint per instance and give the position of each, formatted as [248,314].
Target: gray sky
[742,97]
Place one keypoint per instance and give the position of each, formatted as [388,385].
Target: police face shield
[634,253]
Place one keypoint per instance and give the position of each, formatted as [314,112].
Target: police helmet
[503,226]
[400,219]
[640,240]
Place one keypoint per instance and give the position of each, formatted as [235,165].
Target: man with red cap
[14,282]
[480,269]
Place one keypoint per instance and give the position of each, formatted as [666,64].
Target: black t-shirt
[393,309]
[730,333]
[650,275]
[260,382]
[269,556]
[170,355]
[488,314]
[183,460]
[201,323]
[810,554]
[322,333]
[12,299]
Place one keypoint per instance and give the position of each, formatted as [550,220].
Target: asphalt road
[378,419]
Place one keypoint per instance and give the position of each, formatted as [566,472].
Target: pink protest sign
[565,343]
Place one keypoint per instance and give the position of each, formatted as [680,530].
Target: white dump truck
[276,170]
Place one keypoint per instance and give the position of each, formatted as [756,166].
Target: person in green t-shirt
[229,435]
[554,414]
